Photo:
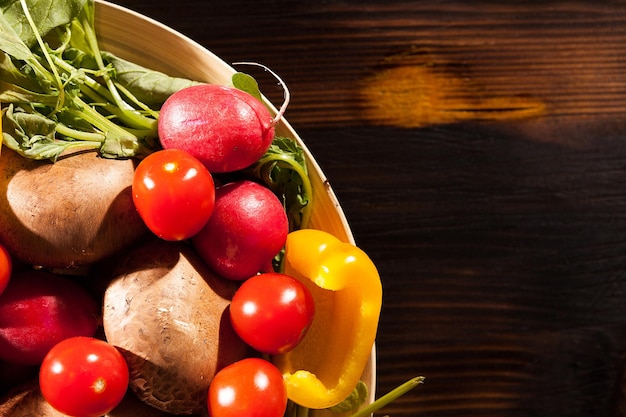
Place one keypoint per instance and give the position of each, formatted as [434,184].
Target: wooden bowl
[147,42]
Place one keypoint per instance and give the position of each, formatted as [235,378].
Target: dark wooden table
[479,152]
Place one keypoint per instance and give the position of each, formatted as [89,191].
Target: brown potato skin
[66,214]
[168,314]
[27,401]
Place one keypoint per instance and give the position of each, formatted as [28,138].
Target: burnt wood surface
[478,149]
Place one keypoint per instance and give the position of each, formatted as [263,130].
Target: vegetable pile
[156,256]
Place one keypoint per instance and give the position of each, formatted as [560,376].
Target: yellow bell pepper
[324,368]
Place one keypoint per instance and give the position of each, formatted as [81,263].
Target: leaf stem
[130,115]
[57,79]
[79,134]
[143,106]
[389,397]
[84,78]
[149,129]
[108,128]
[98,93]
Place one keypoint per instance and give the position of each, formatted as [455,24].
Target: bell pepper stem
[389,397]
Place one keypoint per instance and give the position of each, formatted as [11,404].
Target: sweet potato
[66,214]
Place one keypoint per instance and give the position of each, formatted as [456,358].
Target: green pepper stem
[389,397]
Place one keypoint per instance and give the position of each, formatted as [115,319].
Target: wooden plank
[478,150]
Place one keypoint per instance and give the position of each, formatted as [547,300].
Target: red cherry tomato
[83,377]
[272,312]
[251,387]
[174,194]
[6,267]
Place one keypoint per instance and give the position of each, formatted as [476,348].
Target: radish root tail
[286,94]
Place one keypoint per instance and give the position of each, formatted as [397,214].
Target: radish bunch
[227,130]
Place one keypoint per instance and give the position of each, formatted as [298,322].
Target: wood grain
[566,53]
[496,213]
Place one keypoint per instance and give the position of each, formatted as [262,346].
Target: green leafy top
[283,169]
[63,92]
[247,83]
[46,15]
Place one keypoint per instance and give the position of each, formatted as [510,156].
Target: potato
[68,214]
[27,401]
[167,312]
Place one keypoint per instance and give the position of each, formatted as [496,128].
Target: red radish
[39,309]
[224,127]
[247,229]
